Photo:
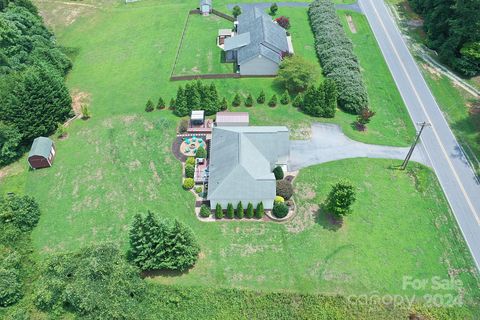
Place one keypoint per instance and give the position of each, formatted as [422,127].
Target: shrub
[149,106]
[278,173]
[364,118]
[218,211]
[171,105]
[259,212]
[284,189]
[285,98]
[230,211]
[205,211]
[239,211]
[237,101]
[189,171]
[280,210]
[20,211]
[61,131]
[198,190]
[340,198]
[320,101]
[160,104]
[298,101]
[188,183]
[183,126]
[223,104]
[201,153]
[236,11]
[190,161]
[261,97]
[296,74]
[249,101]
[336,55]
[283,22]
[273,101]
[196,96]
[93,283]
[10,287]
[279,199]
[273,9]
[86,114]
[249,213]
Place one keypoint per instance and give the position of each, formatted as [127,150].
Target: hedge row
[336,55]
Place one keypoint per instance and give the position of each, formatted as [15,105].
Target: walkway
[266,5]
[329,143]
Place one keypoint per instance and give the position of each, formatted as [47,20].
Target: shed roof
[241,161]
[239,117]
[197,115]
[41,146]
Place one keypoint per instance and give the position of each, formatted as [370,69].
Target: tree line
[33,95]
[452,28]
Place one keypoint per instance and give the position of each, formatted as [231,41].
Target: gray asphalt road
[456,177]
[329,143]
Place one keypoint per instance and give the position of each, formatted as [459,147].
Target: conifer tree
[285,99]
[273,101]
[261,97]
[230,211]
[218,211]
[149,106]
[237,101]
[224,104]
[330,98]
[259,212]
[160,104]
[240,212]
[249,101]
[181,108]
[249,214]
[171,105]
[298,101]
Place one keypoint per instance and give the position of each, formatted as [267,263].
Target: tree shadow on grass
[327,220]
[163,273]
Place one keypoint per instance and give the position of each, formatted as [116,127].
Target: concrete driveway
[329,143]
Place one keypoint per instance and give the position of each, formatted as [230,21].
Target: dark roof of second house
[266,37]
[41,147]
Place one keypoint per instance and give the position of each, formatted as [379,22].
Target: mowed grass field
[119,163]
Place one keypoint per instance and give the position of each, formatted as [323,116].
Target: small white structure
[232,119]
[206,7]
[197,117]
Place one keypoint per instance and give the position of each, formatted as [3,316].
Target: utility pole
[412,148]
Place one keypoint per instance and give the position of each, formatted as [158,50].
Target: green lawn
[119,163]
[199,53]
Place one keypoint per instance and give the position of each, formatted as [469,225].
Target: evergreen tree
[230,211]
[210,100]
[285,99]
[181,108]
[224,104]
[193,98]
[249,101]
[298,101]
[259,212]
[236,11]
[171,105]
[330,98]
[273,101]
[160,104]
[149,106]
[240,212]
[237,101]
[273,9]
[249,214]
[218,211]
[341,198]
[261,97]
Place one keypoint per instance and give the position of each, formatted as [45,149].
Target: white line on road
[465,194]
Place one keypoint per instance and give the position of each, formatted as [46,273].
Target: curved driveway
[328,143]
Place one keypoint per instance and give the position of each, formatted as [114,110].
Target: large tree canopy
[453,29]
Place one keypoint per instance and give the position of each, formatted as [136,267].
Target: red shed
[42,153]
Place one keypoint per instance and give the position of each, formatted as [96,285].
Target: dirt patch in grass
[304,191]
[351,25]
[128,119]
[79,99]
[304,219]
[152,167]
[434,72]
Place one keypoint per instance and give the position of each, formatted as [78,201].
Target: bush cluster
[196,96]
[188,183]
[284,189]
[157,244]
[280,210]
[189,171]
[336,55]
[239,212]
[205,211]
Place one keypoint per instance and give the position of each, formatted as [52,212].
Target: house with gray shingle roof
[241,163]
[258,45]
